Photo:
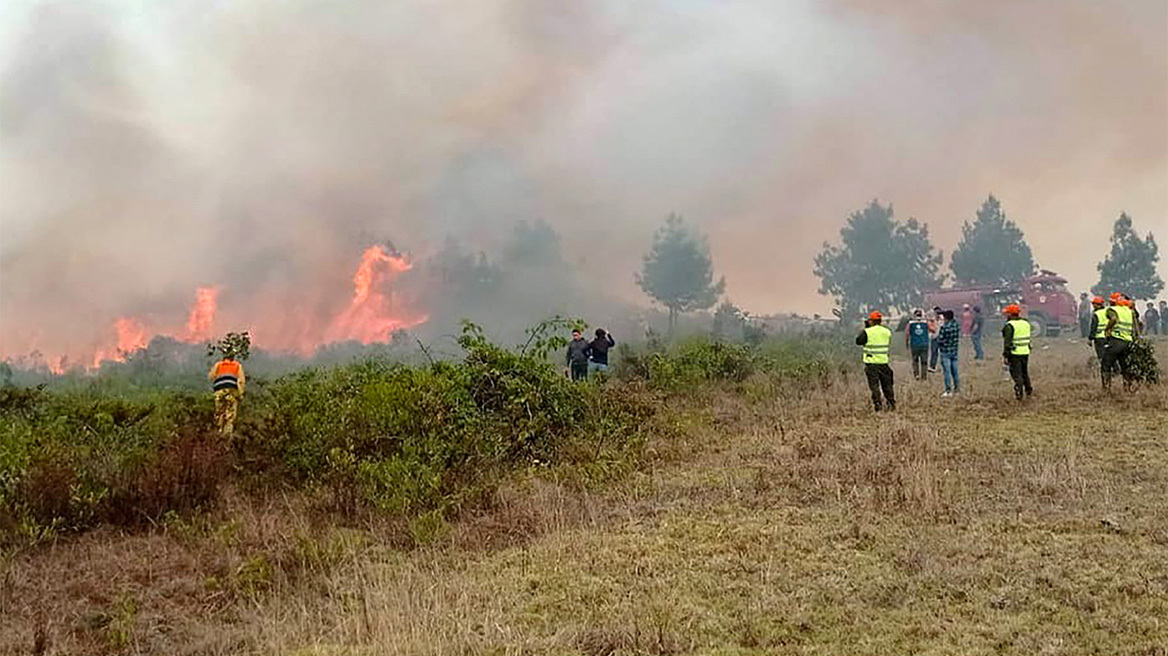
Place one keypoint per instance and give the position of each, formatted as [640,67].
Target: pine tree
[678,271]
[880,263]
[992,249]
[1130,267]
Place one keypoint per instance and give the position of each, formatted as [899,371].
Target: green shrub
[411,440]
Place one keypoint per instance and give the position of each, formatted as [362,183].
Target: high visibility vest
[1100,323]
[879,341]
[1021,343]
[227,374]
[1123,327]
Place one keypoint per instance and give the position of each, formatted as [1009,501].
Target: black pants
[880,379]
[920,362]
[1114,359]
[1020,372]
[579,370]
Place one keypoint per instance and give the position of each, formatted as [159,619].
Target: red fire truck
[1044,298]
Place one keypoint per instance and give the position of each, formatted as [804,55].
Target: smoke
[259,148]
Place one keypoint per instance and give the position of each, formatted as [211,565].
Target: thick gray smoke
[260,147]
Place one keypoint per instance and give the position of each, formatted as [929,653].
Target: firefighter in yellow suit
[227,383]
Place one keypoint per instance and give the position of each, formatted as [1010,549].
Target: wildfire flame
[372,314]
[202,316]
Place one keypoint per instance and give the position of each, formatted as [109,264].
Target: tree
[1130,267]
[534,245]
[992,250]
[880,263]
[678,271]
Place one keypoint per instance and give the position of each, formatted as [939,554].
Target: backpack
[918,334]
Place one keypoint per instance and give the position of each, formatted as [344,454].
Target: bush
[413,440]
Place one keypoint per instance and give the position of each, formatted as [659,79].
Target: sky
[147,149]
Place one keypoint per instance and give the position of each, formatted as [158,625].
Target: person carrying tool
[1097,337]
[227,384]
[877,342]
[1016,350]
[1119,333]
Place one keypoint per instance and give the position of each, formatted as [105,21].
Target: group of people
[942,335]
[1113,329]
[1154,320]
[936,339]
[586,357]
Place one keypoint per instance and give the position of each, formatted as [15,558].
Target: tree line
[884,264]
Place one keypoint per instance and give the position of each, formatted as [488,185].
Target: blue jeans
[594,367]
[934,350]
[978,354]
[949,368]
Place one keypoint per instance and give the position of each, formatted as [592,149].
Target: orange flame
[370,316]
[202,315]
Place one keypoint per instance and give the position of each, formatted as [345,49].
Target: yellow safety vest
[1021,343]
[1100,323]
[1123,327]
[879,341]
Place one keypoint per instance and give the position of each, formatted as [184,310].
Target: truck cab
[1047,304]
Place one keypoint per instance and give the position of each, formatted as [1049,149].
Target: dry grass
[790,524]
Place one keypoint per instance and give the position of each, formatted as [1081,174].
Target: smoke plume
[259,149]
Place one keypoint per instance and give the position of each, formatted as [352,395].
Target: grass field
[769,520]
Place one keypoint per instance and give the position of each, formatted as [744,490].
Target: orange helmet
[1126,302]
[1098,300]
[1115,296]
[876,316]
[1013,309]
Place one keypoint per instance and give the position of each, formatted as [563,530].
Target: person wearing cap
[1119,333]
[1016,350]
[1097,338]
[877,343]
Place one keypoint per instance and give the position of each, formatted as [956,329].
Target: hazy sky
[148,148]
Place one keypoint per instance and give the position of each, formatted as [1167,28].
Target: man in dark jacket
[578,352]
[1152,319]
[598,351]
[1085,311]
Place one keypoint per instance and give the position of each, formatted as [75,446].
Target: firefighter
[1119,333]
[227,384]
[1016,350]
[1097,337]
[877,342]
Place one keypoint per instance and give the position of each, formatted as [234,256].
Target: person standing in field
[877,343]
[949,339]
[598,351]
[1085,316]
[1152,319]
[966,320]
[578,351]
[975,333]
[1098,339]
[1120,333]
[1164,317]
[227,384]
[916,339]
[934,326]
[1016,350]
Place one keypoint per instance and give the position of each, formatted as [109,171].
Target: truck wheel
[1037,326]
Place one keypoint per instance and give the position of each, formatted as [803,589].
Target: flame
[202,315]
[131,336]
[372,313]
